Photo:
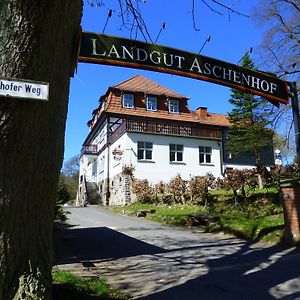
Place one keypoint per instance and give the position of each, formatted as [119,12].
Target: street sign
[19,88]
[110,50]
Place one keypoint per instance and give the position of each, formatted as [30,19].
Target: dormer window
[151,103]
[128,100]
[173,106]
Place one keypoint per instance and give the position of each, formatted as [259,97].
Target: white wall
[117,162]
[88,167]
[94,168]
[100,138]
[160,167]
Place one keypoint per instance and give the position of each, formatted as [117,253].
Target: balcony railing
[164,128]
[170,129]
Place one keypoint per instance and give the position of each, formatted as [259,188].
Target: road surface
[151,261]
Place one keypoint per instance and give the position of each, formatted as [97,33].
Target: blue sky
[231,37]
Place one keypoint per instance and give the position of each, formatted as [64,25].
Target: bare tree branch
[229,8]
[193,15]
[292,3]
[212,8]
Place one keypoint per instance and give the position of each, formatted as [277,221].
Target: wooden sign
[109,50]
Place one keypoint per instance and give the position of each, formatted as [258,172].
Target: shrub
[143,190]
[160,190]
[200,185]
[177,188]
[62,197]
[238,180]
[283,173]
[128,170]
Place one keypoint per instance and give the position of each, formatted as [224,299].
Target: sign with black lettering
[24,89]
[109,50]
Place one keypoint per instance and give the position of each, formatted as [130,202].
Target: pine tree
[249,132]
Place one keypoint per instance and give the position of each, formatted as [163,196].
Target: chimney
[201,111]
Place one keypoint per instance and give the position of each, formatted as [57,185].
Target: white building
[142,124]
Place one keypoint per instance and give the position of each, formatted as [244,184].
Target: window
[176,153]
[128,100]
[145,150]
[151,103]
[174,106]
[204,155]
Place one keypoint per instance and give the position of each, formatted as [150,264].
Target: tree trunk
[37,43]
[258,166]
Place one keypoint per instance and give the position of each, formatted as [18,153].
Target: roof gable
[142,84]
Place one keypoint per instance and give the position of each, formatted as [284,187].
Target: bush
[200,185]
[128,170]
[238,180]
[160,190]
[177,188]
[63,197]
[143,191]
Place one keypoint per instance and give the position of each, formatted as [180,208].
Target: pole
[296,118]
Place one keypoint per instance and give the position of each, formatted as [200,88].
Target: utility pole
[296,118]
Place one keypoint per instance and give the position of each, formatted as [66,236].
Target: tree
[248,133]
[69,176]
[282,39]
[38,42]
[71,166]
[279,52]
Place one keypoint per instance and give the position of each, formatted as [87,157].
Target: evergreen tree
[249,132]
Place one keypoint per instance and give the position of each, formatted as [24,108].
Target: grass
[258,219]
[262,228]
[67,286]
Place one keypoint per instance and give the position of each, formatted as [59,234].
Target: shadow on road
[261,274]
[231,269]
[96,244]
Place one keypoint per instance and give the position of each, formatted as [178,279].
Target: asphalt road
[150,261]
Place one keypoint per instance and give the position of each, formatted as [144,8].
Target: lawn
[67,286]
[260,218]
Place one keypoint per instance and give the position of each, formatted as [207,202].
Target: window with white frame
[173,106]
[145,150]
[204,155]
[128,100]
[176,153]
[151,103]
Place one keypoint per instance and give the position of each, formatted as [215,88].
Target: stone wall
[119,192]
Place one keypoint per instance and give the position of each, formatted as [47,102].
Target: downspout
[86,196]
[107,196]
[222,154]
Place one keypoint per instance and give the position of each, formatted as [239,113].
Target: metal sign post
[296,119]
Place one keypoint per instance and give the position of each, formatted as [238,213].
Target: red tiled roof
[142,84]
[214,119]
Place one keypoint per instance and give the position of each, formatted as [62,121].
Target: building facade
[142,125]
